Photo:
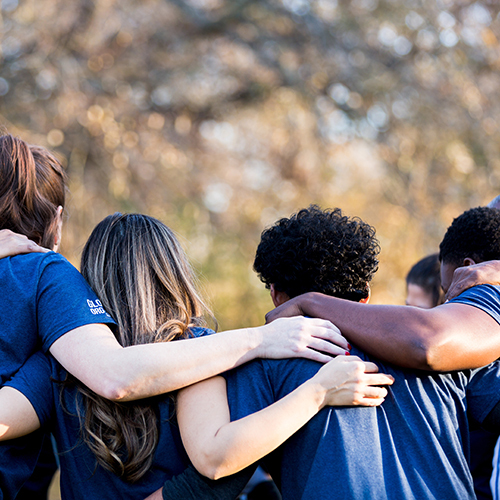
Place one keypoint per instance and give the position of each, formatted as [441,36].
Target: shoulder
[35,265]
[483,392]
[484,297]
[36,258]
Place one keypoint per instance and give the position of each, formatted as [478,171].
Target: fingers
[15,244]
[378,379]
[371,401]
[374,393]
[456,288]
[324,334]
[318,322]
[332,347]
[315,356]
[33,247]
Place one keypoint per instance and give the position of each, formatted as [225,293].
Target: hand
[301,337]
[349,381]
[157,495]
[288,309]
[14,244]
[476,274]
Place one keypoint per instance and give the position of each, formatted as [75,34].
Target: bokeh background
[219,116]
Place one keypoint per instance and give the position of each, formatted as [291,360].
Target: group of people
[336,398]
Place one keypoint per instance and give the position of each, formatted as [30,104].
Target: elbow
[209,467]
[433,359]
[210,472]
[116,393]
[427,355]
[207,470]
[114,389]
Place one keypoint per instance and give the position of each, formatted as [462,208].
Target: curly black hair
[318,251]
[474,234]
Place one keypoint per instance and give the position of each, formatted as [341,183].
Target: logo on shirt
[96,307]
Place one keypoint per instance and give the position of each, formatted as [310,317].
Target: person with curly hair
[420,432]
[113,450]
[448,337]
[345,250]
[49,307]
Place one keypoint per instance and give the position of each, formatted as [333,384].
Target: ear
[367,299]
[278,298]
[57,239]
[468,262]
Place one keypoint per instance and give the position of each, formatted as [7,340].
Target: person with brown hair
[113,450]
[47,305]
[423,283]
[414,446]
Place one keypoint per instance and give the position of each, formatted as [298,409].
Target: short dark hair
[318,251]
[425,273]
[474,234]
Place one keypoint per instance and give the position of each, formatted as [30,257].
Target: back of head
[475,234]
[318,251]
[32,186]
[425,274]
[142,276]
[143,279]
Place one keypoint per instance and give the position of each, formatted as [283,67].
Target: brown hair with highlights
[32,186]
[141,275]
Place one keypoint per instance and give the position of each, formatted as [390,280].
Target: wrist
[254,339]
[317,392]
[308,302]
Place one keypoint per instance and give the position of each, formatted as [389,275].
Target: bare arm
[218,447]
[448,337]
[92,354]
[17,415]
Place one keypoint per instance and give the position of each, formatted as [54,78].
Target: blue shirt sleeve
[65,301]
[484,297]
[483,391]
[249,389]
[33,380]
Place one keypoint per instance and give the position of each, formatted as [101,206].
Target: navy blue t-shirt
[42,297]
[81,476]
[414,446]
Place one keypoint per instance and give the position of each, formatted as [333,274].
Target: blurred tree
[219,116]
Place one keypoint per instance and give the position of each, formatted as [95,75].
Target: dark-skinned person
[413,446]
[47,306]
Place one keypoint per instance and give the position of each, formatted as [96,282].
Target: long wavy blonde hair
[141,275]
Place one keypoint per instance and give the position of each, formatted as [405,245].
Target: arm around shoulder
[452,336]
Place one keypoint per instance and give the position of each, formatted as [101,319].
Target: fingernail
[349,346]
[347,353]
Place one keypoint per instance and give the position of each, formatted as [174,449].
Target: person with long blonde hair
[127,450]
[47,305]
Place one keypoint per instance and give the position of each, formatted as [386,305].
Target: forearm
[92,354]
[218,447]
[164,367]
[448,337]
[95,358]
[397,334]
[238,444]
